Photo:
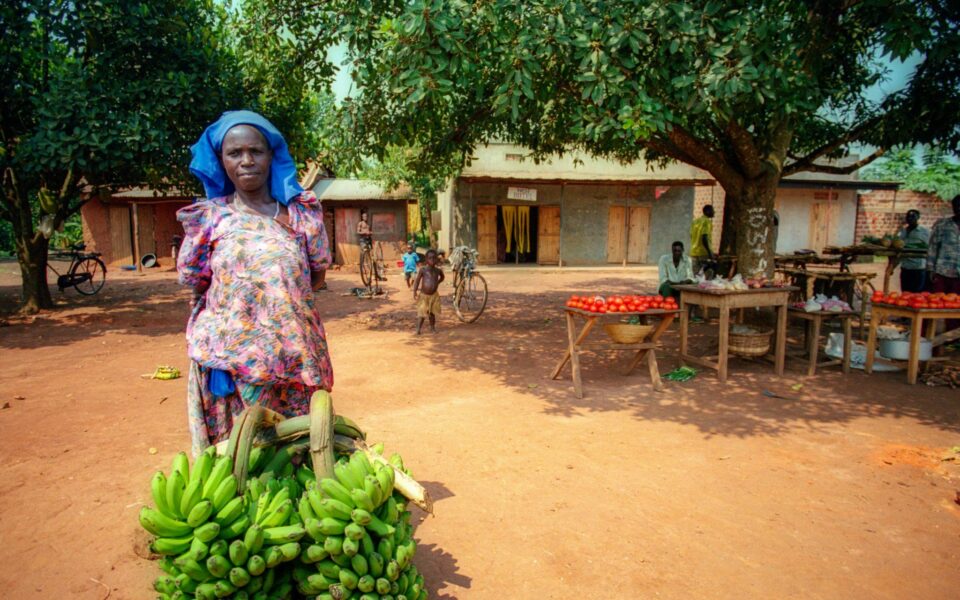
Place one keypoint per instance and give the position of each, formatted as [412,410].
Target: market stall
[917,309]
[814,324]
[893,255]
[643,341]
[725,300]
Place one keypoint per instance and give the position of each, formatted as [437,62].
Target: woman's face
[246,158]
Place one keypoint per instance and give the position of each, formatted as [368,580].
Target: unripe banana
[331,526]
[235,529]
[238,554]
[378,448]
[390,512]
[230,512]
[341,559]
[336,509]
[349,579]
[256,461]
[304,509]
[392,570]
[205,591]
[175,486]
[334,489]
[313,530]
[185,584]
[333,545]
[385,549]
[220,548]
[353,531]
[372,487]
[273,557]
[181,464]
[158,490]
[226,491]
[190,498]
[402,556]
[379,527]
[350,547]
[201,469]
[362,500]
[366,583]
[161,525]
[345,475]
[385,479]
[313,553]
[279,498]
[221,469]
[218,566]
[359,565]
[375,563]
[166,565]
[290,551]
[239,577]
[320,581]
[168,546]
[263,502]
[253,539]
[223,589]
[282,535]
[198,549]
[199,514]
[383,586]
[329,569]
[366,544]
[256,565]
[305,474]
[209,531]
[194,569]
[279,516]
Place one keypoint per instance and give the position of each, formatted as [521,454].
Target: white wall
[794,207]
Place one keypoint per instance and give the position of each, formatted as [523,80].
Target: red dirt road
[703,491]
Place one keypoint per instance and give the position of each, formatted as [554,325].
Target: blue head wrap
[206,157]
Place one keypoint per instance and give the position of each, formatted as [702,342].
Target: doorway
[518,234]
[628,234]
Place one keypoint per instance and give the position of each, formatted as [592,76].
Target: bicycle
[469,286]
[86,272]
[372,268]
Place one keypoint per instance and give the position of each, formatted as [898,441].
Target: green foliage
[72,233]
[934,173]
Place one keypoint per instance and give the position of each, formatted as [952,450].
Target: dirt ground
[846,490]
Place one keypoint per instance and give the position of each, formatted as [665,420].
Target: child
[410,260]
[425,291]
[363,230]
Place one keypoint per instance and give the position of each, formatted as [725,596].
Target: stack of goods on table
[737,283]
[917,300]
[821,303]
[284,534]
[621,303]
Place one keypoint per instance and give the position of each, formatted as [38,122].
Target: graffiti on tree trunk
[757,237]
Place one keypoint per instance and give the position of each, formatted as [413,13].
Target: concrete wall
[583,215]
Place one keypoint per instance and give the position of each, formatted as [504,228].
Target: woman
[254,252]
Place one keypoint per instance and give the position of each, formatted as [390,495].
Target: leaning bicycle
[469,286]
[372,268]
[86,272]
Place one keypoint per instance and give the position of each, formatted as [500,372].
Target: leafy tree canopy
[934,173]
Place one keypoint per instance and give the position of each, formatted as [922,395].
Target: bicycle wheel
[470,297]
[89,275]
[380,270]
[366,267]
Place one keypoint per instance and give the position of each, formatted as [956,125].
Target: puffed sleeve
[310,222]
[193,259]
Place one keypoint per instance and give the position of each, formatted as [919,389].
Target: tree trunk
[748,227]
[32,256]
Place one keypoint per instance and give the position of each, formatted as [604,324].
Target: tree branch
[704,157]
[846,170]
[744,148]
[807,162]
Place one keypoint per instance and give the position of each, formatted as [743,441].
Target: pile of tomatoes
[917,300]
[624,304]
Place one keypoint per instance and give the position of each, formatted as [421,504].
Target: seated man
[675,269]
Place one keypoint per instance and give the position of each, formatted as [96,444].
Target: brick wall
[883,211]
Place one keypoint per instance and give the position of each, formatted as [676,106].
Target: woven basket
[627,333]
[750,344]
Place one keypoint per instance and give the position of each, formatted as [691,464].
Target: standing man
[675,269]
[700,231]
[913,274]
[943,257]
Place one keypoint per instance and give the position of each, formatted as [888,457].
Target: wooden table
[814,321]
[917,316]
[646,348]
[850,285]
[725,300]
[893,255]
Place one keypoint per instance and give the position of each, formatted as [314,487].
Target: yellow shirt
[700,227]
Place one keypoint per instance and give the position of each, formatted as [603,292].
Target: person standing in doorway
[701,231]
[913,274]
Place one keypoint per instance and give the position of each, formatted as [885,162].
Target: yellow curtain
[523,228]
[509,220]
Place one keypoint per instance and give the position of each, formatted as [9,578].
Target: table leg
[575,354]
[654,371]
[781,349]
[583,333]
[913,364]
[724,341]
[847,344]
[813,344]
[872,339]
[654,337]
[684,325]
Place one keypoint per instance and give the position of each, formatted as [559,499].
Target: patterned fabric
[257,319]
[943,257]
[428,304]
[700,227]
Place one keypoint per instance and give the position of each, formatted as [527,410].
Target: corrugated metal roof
[357,189]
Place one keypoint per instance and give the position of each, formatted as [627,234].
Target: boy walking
[425,291]
[410,259]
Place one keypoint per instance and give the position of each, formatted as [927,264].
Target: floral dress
[257,320]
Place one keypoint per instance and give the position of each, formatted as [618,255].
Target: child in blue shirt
[410,260]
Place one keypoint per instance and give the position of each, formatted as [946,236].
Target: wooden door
[145,222]
[548,235]
[616,233]
[487,235]
[824,218]
[638,234]
[348,244]
[121,236]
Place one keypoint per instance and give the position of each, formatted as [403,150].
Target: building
[393,216]
[576,210]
